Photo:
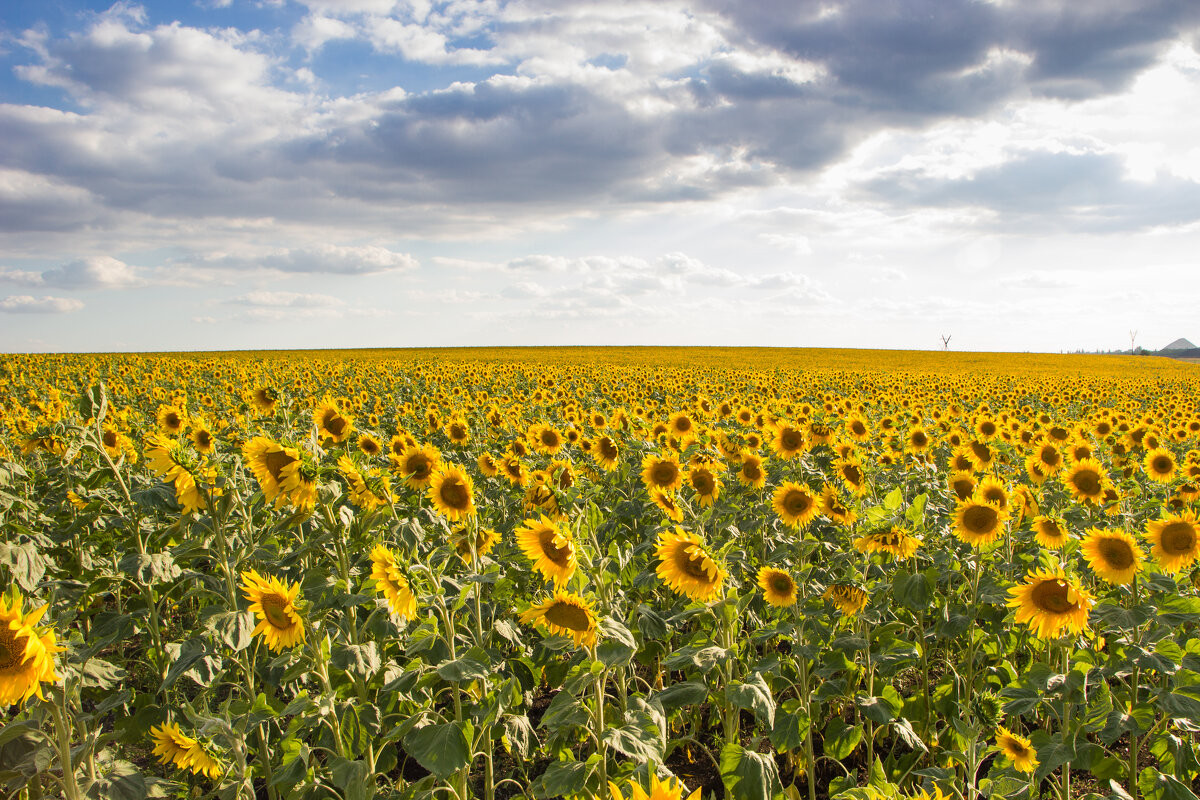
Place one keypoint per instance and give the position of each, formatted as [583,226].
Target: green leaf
[25,564]
[190,652]
[841,739]
[614,654]
[635,741]
[441,749]
[14,730]
[563,779]
[614,630]
[473,666]
[356,659]
[748,775]
[150,568]
[915,512]
[914,592]
[754,695]
[522,740]
[1179,706]
[101,674]
[1154,785]
[121,781]
[352,778]
[791,726]
[564,711]
[684,693]
[903,730]
[893,500]
[233,629]
[876,709]
[703,658]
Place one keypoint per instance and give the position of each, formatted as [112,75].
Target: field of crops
[599,573]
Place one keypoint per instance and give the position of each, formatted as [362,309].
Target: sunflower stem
[58,708]
[598,718]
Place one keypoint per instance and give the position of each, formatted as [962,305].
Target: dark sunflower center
[858,428]
[1050,457]
[1087,482]
[273,609]
[963,488]
[560,556]
[919,439]
[782,585]
[454,494]
[1051,530]
[1179,538]
[664,473]
[369,446]
[569,616]
[173,421]
[987,428]
[683,425]
[549,439]
[334,422]
[275,462]
[203,438]
[691,565]
[1051,596]
[980,519]
[1116,553]
[702,482]
[110,439]
[1162,465]
[418,465]
[751,470]
[458,432]
[790,440]
[12,650]
[996,495]
[981,451]
[796,502]
[608,448]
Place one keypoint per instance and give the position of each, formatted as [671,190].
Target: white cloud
[93,272]
[324,258]
[268,299]
[25,304]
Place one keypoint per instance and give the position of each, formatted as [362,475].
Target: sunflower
[606,453]
[978,522]
[788,442]
[686,566]
[857,429]
[331,422]
[516,471]
[681,426]
[668,504]
[171,419]
[1086,480]
[961,461]
[848,598]
[273,465]
[450,491]
[705,483]
[172,745]
[917,440]
[385,571]
[263,398]
[274,603]
[1050,532]
[1049,458]
[850,470]
[778,587]
[670,789]
[551,549]
[1112,554]
[1050,604]
[962,484]
[26,652]
[1036,470]
[1176,540]
[369,446]
[568,614]
[369,491]
[662,473]
[1017,749]
[484,540]
[457,431]
[992,491]
[1160,465]
[202,438]
[795,504]
[980,453]
[488,465]
[752,472]
[833,507]
[895,541]
[417,465]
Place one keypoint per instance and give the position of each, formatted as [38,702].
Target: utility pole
[1132,339]
[945,342]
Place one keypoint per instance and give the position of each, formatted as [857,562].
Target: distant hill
[1180,344]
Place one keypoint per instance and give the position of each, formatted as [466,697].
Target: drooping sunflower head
[390,581]
[452,493]
[894,540]
[668,504]
[484,539]
[26,651]
[662,472]
[1175,539]
[685,565]
[567,614]
[795,504]
[549,547]
[779,588]
[271,463]
[1017,749]
[1051,604]
[848,598]
[331,421]
[1113,555]
[850,470]
[172,745]
[979,523]
[274,604]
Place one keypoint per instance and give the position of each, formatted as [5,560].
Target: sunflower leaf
[754,695]
[684,693]
[748,775]
[441,749]
[1154,785]
[841,739]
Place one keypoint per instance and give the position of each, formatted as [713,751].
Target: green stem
[63,746]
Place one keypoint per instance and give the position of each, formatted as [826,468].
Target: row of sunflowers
[624,573]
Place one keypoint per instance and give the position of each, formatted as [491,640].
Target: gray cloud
[93,272]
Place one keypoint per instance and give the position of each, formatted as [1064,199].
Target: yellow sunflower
[484,539]
[962,484]
[850,470]
[979,523]
[795,504]
[568,614]
[833,507]
[667,504]
[331,422]
[895,541]
[1017,749]
[788,442]
[26,651]
[390,580]
[848,598]
[1086,480]
[488,465]
[705,483]
[670,789]
[368,490]
[662,473]
[1159,465]
[1051,604]
[1176,540]
[687,567]
[550,548]
[752,473]
[451,492]
[172,745]
[417,465]
[171,419]
[369,446]
[1112,554]
[279,471]
[274,603]
[992,491]
[1050,531]
[264,398]
[606,453]
[202,438]
[778,587]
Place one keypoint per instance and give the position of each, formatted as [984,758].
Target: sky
[286,174]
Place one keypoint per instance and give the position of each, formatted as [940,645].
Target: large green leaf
[841,739]
[748,775]
[754,695]
[441,749]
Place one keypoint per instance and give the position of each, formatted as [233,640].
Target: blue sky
[224,174]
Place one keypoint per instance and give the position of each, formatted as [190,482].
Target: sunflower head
[848,598]
[549,547]
[1017,749]
[662,472]
[705,483]
[978,522]
[390,581]
[795,504]
[331,422]
[1050,531]
[1175,539]
[685,565]
[1113,555]
[779,588]
[568,614]
[452,494]
[274,604]
[1087,481]
[670,789]
[895,541]
[26,651]
[173,746]
[1051,604]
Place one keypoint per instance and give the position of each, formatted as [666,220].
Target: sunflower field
[612,573]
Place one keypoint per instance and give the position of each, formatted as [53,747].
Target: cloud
[25,304]
[268,299]
[94,272]
[325,258]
